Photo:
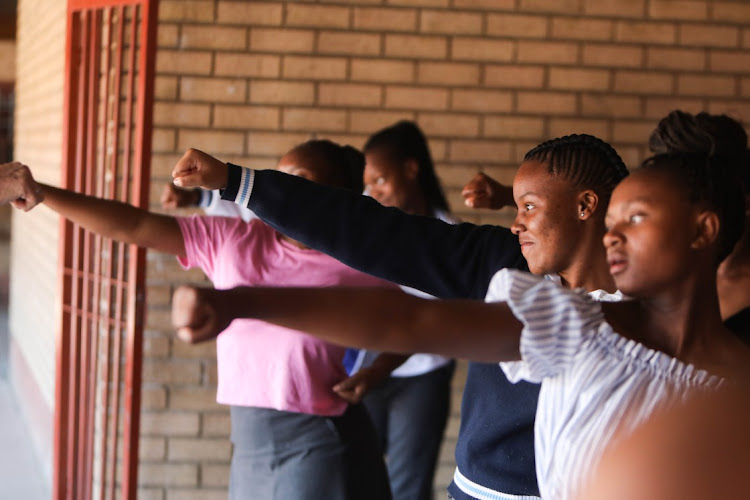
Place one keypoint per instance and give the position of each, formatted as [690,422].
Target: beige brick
[250,13]
[153,398]
[213,89]
[479,151]
[382,70]
[349,94]
[322,16]
[247,117]
[451,22]
[420,46]
[706,85]
[386,19]
[547,52]
[739,110]
[448,73]
[152,449]
[213,37]
[195,398]
[546,103]
[276,144]
[678,9]
[167,35]
[559,127]
[183,62]
[678,59]
[484,101]
[419,3]
[485,4]
[369,121]
[282,40]
[266,66]
[513,76]
[170,372]
[582,29]
[558,6]
[513,127]
[203,449]
[201,494]
[745,87]
[202,351]
[645,32]
[168,475]
[155,346]
[616,56]
[578,79]
[659,107]
[281,92]
[632,132]
[150,494]
[215,475]
[170,423]
[216,424]
[165,87]
[709,35]
[449,124]
[333,42]
[162,139]
[641,82]
[609,105]
[159,295]
[177,113]
[416,98]
[316,119]
[315,68]
[729,61]
[481,49]
[186,10]
[731,12]
[517,25]
[615,8]
[212,141]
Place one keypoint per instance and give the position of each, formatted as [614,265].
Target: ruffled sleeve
[557,322]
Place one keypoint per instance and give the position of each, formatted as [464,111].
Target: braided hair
[716,135]
[585,160]
[343,165]
[404,141]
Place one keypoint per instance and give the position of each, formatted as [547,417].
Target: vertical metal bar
[99,249]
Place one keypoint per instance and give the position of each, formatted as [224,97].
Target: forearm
[116,220]
[382,320]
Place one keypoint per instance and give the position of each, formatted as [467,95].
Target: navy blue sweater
[496,439]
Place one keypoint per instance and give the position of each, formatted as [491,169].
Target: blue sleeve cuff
[239,184]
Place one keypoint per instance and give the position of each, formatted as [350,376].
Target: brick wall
[487,80]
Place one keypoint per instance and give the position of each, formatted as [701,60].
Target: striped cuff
[239,185]
[205,198]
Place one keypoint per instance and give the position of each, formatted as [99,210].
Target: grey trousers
[294,456]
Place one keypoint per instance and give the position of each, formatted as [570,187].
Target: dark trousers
[282,455]
[410,414]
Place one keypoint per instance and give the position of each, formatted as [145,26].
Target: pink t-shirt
[260,364]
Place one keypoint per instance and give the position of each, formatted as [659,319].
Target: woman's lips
[617,264]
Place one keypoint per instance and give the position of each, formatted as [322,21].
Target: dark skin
[734,274]
[675,307]
[394,184]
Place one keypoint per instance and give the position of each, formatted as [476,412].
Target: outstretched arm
[482,191]
[377,319]
[444,260]
[117,220]
[18,186]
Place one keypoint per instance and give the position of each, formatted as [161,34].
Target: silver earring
[583,214]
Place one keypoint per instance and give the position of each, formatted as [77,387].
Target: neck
[738,262]
[589,269]
[418,206]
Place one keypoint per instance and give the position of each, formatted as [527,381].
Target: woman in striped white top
[604,367]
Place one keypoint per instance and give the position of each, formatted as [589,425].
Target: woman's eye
[636,218]
[529,206]
[380,181]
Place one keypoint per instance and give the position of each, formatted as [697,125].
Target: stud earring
[583,214]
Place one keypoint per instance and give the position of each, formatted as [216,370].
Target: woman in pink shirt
[293,435]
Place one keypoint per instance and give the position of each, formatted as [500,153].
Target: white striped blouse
[594,381]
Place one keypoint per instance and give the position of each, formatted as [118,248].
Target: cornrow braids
[344,165]
[585,160]
[711,180]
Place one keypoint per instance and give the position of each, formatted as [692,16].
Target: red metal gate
[109,68]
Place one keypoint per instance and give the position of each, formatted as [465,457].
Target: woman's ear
[707,226]
[411,168]
[588,201]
